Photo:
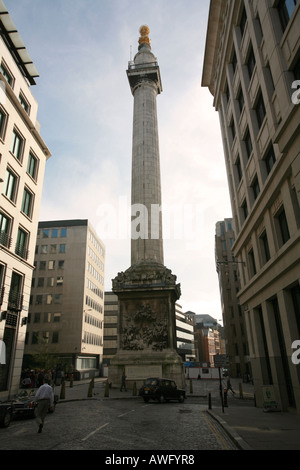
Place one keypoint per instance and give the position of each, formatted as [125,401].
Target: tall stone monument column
[147,290]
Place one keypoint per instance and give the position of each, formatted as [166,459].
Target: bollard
[63,390]
[225,397]
[106,392]
[134,392]
[241,390]
[209,401]
[191,386]
[90,390]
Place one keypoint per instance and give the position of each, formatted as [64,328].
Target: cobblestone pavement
[127,424]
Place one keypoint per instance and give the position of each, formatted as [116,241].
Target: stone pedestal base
[147,293]
[139,367]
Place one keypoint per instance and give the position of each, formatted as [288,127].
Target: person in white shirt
[45,399]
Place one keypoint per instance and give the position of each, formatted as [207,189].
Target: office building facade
[252,69]
[23,156]
[233,319]
[66,315]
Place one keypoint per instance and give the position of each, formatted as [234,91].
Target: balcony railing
[5,239]
[21,251]
[15,302]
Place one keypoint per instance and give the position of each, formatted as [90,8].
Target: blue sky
[81,50]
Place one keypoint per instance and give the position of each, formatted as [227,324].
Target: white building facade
[23,156]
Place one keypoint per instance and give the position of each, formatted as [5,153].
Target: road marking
[124,414]
[94,432]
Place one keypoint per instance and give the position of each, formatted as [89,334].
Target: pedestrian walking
[229,387]
[123,384]
[45,402]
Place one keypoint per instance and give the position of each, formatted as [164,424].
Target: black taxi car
[161,390]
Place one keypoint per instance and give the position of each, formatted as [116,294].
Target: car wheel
[181,399]
[5,422]
[161,399]
[146,399]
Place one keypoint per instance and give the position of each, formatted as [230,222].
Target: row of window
[15,293]
[246,149]
[50,249]
[91,320]
[22,241]
[10,79]
[50,265]
[90,285]
[46,317]
[96,243]
[89,302]
[42,337]
[91,338]
[95,273]
[47,281]
[46,299]
[263,255]
[52,233]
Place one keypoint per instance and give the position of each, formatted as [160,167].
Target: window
[248,143]
[234,61]
[63,232]
[232,127]
[251,63]
[50,281]
[255,187]
[15,297]
[52,249]
[252,266]
[260,110]
[11,185]
[17,144]
[22,244]
[56,317]
[49,299]
[5,224]
[270,159]
[27,203]
[264,245]
[3,121]
[38,299]
[42,265]
[24,103]
[58,298]
[37,318]
[62,248]
[239,169]
[51,264]
[54,233]
[59,280]
[285,9]
[243,21]
[245,209]
[55,337]
[46,233]
[283,233]
[241,100]
[44,249]
[61,264]
[47,317]
[35,337]
[32,166]
[41,281]
[7,74]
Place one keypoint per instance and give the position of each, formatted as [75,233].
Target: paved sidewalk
[251,428]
